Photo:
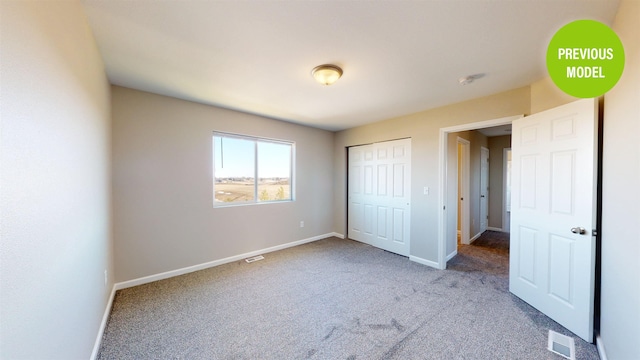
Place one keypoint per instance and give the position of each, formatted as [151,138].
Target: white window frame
[255,140]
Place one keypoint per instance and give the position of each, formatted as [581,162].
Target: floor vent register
[254,258]
[562,345]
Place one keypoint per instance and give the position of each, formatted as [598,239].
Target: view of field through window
[239,161]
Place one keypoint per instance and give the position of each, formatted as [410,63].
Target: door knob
[578,230]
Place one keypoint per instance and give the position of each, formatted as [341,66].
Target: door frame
[464,174]
[505,202]
[444,182]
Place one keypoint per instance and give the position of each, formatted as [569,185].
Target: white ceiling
[399,57]
[496,131]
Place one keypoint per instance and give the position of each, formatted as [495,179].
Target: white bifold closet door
[379,195]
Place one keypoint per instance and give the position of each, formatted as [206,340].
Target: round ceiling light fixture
[326,74]
[466,80]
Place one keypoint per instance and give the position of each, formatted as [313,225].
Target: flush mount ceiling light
[466,80]
[326,74]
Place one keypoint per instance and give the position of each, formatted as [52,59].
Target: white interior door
[552,253]
[484,189]
[379,195]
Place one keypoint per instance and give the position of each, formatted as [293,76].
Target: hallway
[489,253]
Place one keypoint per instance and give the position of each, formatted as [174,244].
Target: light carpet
[333,299]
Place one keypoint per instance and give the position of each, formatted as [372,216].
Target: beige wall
[163,213]
[423,128]
[546,95]
[55,175]
[497,144]
[620,293]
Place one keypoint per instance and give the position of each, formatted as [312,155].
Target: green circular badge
[585,58]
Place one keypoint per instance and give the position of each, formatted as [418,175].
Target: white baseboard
[422,261]
[103,324]
[474,238]
[495,229]
[600,347]
[189,269]
[168,274]
[450,256]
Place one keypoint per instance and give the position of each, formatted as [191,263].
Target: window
[249,170]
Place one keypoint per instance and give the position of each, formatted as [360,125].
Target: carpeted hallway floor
[489,254]
[333,299]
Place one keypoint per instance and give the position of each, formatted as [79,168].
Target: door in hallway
[484,189]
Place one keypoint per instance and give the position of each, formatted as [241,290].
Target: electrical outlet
[301,224]
[105,277]
[426,190]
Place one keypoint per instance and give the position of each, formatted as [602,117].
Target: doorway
[447,238]
[552,250]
